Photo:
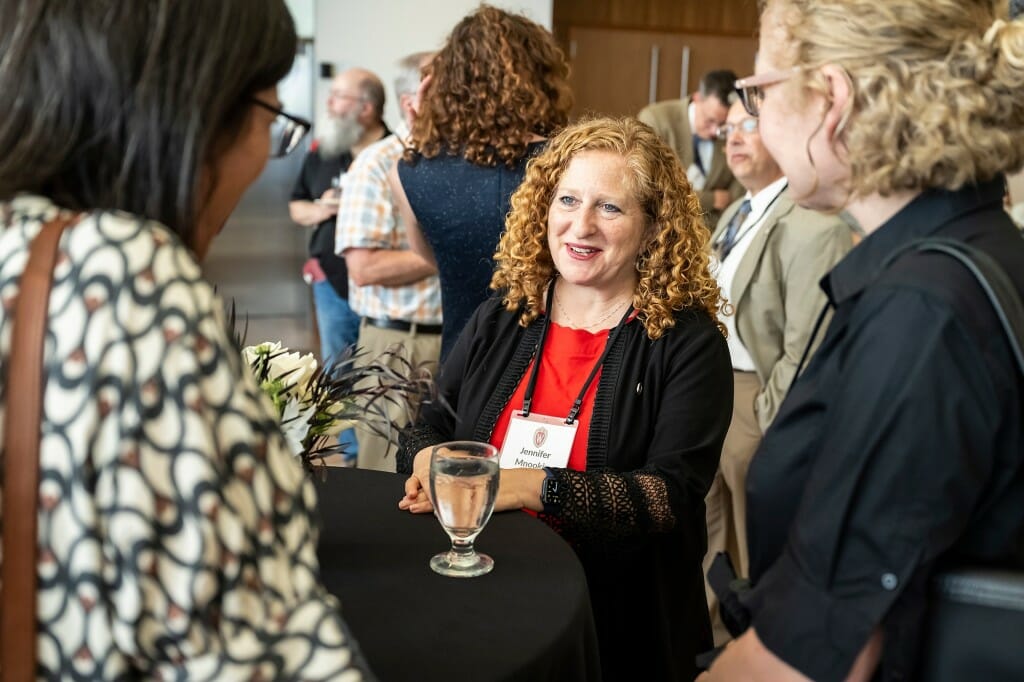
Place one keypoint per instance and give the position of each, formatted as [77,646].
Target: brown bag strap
[22,420]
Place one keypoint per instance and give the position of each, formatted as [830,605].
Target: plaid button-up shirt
[368,219]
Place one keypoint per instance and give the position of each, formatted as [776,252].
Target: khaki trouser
[377,451]
[727,500]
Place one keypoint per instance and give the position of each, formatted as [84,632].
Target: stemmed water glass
[463,487]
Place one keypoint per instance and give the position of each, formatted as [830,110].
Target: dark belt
[403,326]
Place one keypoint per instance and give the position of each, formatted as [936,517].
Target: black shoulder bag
[976,616]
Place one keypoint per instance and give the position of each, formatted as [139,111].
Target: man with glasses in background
[770,255]
[352,122]
[689,126]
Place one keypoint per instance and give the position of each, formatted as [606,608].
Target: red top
[568,357]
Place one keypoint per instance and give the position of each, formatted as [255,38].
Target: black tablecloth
[529,619]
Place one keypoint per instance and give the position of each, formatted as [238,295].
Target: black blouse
[898,449]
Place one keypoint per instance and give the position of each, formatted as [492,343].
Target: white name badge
[537,441]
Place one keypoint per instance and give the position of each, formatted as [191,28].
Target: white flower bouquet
[316,403]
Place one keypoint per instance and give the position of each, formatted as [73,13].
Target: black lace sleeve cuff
[413,439]
[605,506]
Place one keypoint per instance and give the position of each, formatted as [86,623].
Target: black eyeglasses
[286,131]
[746,126]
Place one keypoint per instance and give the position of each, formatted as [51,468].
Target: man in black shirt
[353,121]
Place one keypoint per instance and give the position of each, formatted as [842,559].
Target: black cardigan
[636,515]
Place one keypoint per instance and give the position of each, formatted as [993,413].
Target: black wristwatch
[551,492]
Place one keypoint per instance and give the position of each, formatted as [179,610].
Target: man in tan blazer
[690,127]
[771,254]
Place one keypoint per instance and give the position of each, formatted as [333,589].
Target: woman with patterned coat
[175,529]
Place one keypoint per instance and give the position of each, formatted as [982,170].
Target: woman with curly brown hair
[497,89]
[602,375]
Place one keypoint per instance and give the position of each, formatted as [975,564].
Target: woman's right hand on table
[417,495]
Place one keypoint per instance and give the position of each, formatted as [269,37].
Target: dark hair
[118,105]
[1016,8]
[372,90]
[720,84]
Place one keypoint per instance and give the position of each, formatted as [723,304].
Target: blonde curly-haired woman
[900,449]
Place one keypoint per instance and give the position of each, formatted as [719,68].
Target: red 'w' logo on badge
[539,436]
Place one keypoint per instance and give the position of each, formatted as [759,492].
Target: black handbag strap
[991,277]
[974,605]
[1009,309]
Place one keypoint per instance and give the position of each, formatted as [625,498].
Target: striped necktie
[732,230]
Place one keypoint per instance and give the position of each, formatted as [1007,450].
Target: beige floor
[256,262]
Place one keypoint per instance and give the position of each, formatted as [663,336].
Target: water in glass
[463,485]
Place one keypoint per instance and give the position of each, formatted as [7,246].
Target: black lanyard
[532,383]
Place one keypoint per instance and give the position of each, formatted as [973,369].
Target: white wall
[375,34]
[304,14]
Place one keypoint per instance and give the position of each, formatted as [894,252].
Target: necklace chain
[615,306]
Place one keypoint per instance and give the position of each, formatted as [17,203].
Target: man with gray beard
[353,121]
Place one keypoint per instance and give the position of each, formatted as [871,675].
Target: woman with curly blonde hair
[604,378]
[900,448]
[495,91]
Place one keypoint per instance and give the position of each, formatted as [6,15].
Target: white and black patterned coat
[175,528]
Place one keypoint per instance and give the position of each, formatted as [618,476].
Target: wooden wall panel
[719,17]
[611,67]
[609,70]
